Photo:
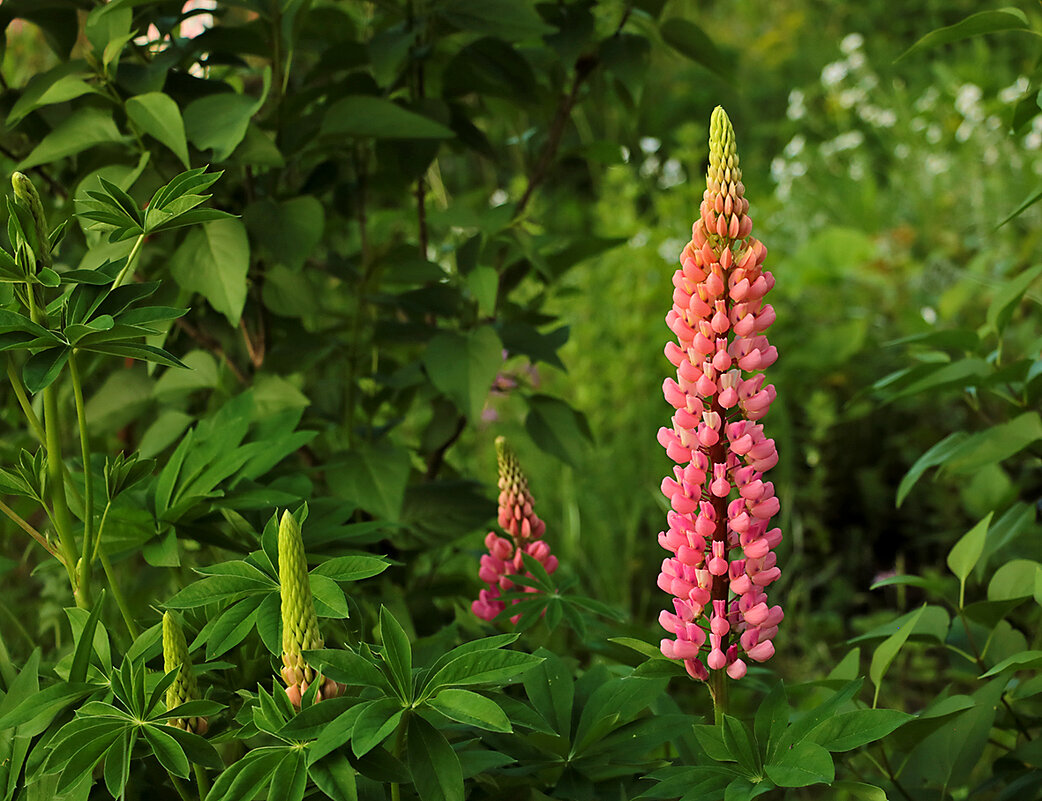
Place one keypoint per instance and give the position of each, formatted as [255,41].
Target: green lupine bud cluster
[184,688]
[300,630]
[723,152]
[26,192]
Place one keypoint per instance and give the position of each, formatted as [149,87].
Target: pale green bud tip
[723,152]
[176,657]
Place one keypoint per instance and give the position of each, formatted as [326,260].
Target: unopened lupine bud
[26,192]
[720,501]
[184,689]
[300,630]
[505,557]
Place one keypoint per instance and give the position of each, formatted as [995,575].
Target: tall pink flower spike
[719,498]
[525,529]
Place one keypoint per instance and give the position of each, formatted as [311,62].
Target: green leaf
[351,568]
[364,116]
[41,369]
[213,261]
[335,777]
[472,709]
[216,588]
[557,428]
[483,667]
[938,454]
[964,554]
[329,598]
[851,730]
[1015,579]
[85,644]
[859,791]
[772,716]
[220,121]
[290,778]
[513,20]
[740,744]
[397,652]
[289,231]
[1025,660]
[158,115]
[1008,296]
[887,650]
[995,444]
[336,733]
[374,724]
[463,366]
[690,40]
[81,130]
[45,705]
[167,750]
[801,765]
[348,668]
[983,22]
[435,768]
[59,85]
[374,477]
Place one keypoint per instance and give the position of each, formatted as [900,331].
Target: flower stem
[121,602]
[32,532]
[718,689]
[201,781]
[23,400]
[126,271]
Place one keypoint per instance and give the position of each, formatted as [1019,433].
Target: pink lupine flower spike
[719,498]
[525,529]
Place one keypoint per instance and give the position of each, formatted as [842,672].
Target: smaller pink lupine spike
[517,518]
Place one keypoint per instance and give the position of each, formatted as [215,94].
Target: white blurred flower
[991,155]
[639,239]
[967,101]
[1015,90]
[852,42]
[927,100]
[797,108]
[797,169]
[670,248]
[902,150]
[649,167]
[795,146]
[933,134]
[833,73]
[498,198]
[856,170]
[964,131]
[778,169]
[1033,141]
[625,153]
[672,174]
[928,314]
[856,61]
[649,144]
[935,164]
[849,98]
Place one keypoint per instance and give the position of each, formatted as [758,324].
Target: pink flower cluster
[720,501]
[517,519]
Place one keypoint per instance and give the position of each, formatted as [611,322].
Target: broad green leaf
[850,730]
[220,121]
[435,768]
[1025,660]
[483,667]
[348,668]
[374,477]
[963,556]
[938,454]
[59,85]
[335,776]
[740,744]
[772,716]
[463,366]
[1015,579]
[557,428]
[374,724]
[45,705]
[364,116]
[1005,300]
[167,750]
[213,261]
[289,231]
[934,623]
[42,368]
[995,444]
[215,588]
[85,644]
[983,22]
[290,778]
[397,652]
[887,650]
[351,568]
[804,764]
[513,20]
[336,733]
[158,115]
[690,40]
[472,709]
[859,791]
[79,131]
[329,598]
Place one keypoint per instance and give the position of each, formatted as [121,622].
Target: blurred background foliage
[521,230]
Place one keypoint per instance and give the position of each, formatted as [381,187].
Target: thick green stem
[399,739]
[718,689]
[181,791]
[201,782]
[59,504]
[83,568]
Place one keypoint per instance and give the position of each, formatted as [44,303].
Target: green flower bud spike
[184,688]
[299,622]
[26,192]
